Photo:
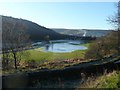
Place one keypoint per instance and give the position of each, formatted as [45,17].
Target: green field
[40,59]
[38,55]
[43,56]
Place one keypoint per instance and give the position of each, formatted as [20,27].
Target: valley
[37,53]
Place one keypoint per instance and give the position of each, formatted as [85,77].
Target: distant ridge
[82,32]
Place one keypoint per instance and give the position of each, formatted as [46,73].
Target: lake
[60,46]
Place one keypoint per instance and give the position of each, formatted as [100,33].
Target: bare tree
[15,39]
[115,19]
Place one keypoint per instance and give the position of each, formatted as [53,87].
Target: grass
[112,80]
[52,60]
[108,80]
[36,57]
[86,44]
[43,56]
[41,59]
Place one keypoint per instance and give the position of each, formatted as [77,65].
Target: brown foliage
[104,46]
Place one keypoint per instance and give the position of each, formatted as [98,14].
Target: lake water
[61,46]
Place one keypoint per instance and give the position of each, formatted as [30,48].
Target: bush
[104,46]
[31,64]
[7,64]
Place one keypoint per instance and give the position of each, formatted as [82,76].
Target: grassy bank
[86,45]
[36,58]
[108,80]
[38,55]
[111,80]
[43,56]
[52,60]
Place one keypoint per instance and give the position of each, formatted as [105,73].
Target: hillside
[97,32]
[35,31]
[69,31]
[81,32]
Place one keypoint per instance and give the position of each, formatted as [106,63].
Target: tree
[14,39]
[103,46]
[95,51]
[109,44]
[116,21]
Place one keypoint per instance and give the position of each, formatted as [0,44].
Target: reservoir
[60,46]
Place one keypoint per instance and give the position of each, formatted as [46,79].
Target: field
[38,55]
[40,59]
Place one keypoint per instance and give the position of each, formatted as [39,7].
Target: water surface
[62,46]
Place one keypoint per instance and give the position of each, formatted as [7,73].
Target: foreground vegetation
[112,80]
[38,59]
[29,60]
[108,80]
[39,55]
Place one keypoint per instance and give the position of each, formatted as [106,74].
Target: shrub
[104,46]
[31,64]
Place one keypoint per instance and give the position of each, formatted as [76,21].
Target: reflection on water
[63,46]
[47,47]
